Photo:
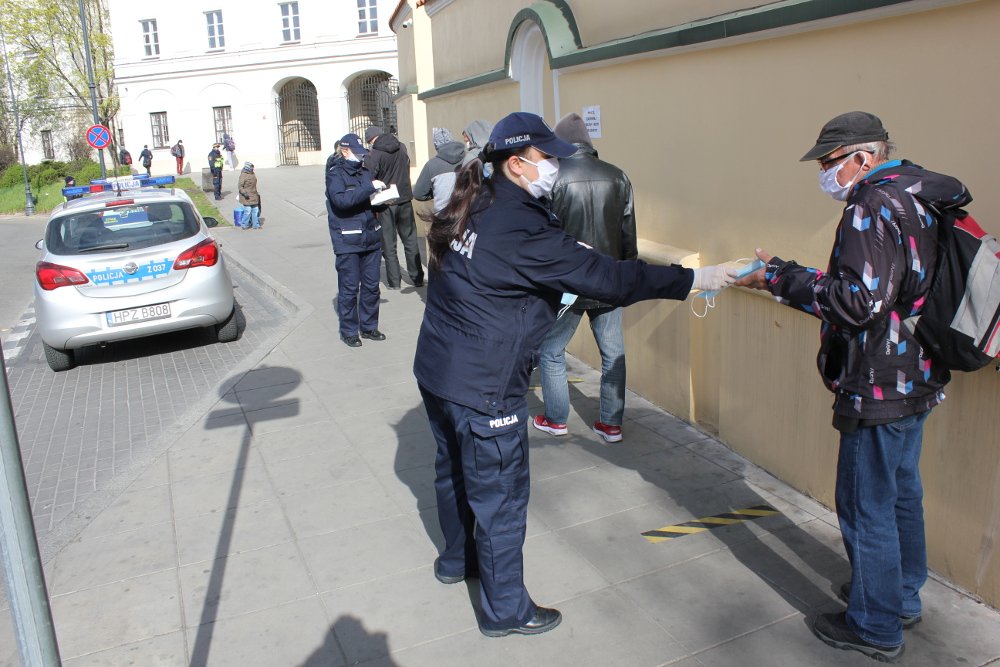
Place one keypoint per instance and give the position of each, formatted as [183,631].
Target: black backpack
[959,322]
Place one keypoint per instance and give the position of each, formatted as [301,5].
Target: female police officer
[499,265]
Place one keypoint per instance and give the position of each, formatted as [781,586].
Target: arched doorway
[527,66]
[297,111]
[371,101]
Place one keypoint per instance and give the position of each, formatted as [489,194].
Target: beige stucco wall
[711,139]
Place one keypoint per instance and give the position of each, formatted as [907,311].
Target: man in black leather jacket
[593,200]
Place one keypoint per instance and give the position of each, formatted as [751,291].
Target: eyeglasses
[830,161]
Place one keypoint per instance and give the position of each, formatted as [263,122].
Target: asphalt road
[17,269]
[84,434]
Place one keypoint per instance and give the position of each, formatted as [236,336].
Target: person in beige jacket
[249,197]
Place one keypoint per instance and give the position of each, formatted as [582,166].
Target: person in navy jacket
[499,264]
[357,241]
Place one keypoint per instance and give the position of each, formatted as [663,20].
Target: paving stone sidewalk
[294,523]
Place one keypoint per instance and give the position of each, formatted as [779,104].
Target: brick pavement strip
[86,433]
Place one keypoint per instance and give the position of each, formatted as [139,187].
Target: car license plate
[157,311]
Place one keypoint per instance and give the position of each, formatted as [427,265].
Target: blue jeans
[880,507]
[251,216]
[606,324]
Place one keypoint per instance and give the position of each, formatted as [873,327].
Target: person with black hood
[437,178]
[884,383]
[499,265]
[357,240]
[389,162]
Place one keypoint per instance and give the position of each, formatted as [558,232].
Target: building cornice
[555,18]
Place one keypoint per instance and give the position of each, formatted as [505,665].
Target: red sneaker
[543,424]
[608,432]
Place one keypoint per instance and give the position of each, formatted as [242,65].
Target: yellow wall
[711,139]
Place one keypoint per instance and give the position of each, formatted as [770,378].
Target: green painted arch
[558,26]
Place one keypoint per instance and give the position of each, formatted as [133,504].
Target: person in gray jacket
[437,178]
[593,200]
[476,135]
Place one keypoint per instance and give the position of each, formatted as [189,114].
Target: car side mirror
[39,243]
[210,222]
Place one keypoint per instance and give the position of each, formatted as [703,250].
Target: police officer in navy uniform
[357,241]
[500,264]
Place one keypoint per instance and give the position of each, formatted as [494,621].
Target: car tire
[58,360]
[228,331]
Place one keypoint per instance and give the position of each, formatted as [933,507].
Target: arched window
[527,66]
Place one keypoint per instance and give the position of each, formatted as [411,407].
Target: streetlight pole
[90,79]
[29,199]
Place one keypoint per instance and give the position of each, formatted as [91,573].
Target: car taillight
[205,253]
[50,276]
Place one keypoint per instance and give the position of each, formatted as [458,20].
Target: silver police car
[127,262]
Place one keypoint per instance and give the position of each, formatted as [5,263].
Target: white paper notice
[388,194]
[592,119]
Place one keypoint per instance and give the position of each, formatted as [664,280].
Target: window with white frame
[289,21]
[47,148]
[150,39]
[216,37]
[158,126]
[223,122]
[367,17]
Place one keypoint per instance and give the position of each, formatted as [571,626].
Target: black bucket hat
[847,129]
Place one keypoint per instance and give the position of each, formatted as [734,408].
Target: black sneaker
[351,341]
[845,596]
[834,631]
[374,334]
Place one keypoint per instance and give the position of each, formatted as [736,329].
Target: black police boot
[544,620]
[374,334]
[351,341]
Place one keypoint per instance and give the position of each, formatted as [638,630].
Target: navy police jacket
[496,293]
[353,227]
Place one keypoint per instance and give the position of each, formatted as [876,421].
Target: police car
[126,261]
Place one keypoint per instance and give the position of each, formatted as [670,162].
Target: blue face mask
[828,179]
[710,295]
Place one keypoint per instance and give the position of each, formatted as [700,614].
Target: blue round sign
[98,136]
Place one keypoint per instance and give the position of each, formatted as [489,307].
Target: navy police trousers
[482,487]
[357,281]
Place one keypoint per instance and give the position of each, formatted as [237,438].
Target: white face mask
[548,170]
[351,157]
[828,179]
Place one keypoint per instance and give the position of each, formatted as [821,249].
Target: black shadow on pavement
[345,634]
[278,381]
[768,565]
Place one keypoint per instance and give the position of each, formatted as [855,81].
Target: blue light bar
[118,184]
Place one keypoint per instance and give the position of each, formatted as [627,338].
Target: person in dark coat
[388,162]
[499,264]
[357,241]
[215,164]
[146,158]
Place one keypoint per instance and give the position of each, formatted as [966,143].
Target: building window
[150,39]
[47,149]
[216,38]
[158,125]
[289,21]
[223,122]
[367,17]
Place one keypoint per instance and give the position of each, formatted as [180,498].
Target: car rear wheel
[58,360]
[228,331]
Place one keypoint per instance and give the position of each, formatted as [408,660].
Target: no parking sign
[98,136]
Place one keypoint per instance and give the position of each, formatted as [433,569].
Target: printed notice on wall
[592,119]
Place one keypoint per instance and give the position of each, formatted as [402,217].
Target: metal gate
[297,111]
[371,101]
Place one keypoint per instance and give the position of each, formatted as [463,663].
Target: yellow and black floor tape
[708,523]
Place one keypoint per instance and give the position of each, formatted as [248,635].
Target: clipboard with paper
[386,195]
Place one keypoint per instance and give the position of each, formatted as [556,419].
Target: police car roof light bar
[118,183]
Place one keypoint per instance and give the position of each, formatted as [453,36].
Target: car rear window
[113,229]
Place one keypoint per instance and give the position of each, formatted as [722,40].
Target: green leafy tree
[48,62]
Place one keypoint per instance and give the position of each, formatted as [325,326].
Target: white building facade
[284,79]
